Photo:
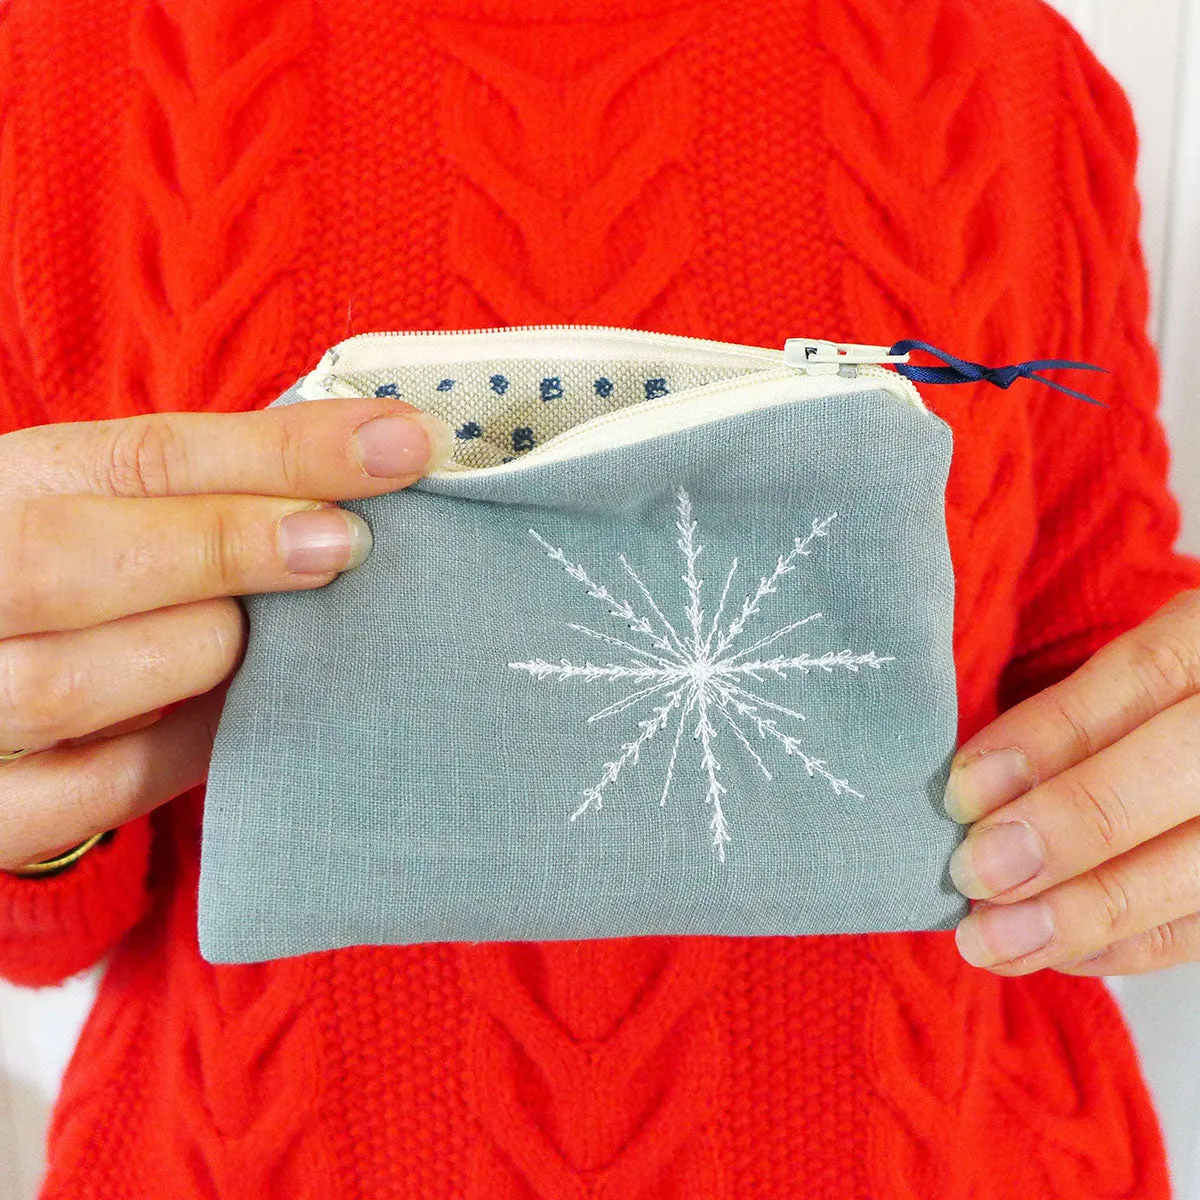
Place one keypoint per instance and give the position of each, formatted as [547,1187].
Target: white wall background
[1153,46]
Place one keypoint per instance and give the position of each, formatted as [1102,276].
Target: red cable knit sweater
[197,197]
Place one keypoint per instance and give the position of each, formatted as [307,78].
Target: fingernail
[316,541]
[995,934]
[396,446]
[995,859]
[984,783]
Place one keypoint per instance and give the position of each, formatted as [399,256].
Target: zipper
[810,367]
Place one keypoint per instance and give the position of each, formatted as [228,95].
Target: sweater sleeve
[1105,556]
[56,925]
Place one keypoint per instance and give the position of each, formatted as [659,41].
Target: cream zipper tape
[786,376]
[416,347]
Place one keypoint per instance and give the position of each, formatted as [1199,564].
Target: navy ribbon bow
[959,370]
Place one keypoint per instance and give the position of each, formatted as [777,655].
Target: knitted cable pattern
[94,1135]
[922,1040]
[216,216]
[1072,1130]
[1073,604]
[920,199]
[242,1077]
[1016,1054]
[624,1073]
[917,197]
[1098,231]
[1048,1079]
[214,224]
[570,206]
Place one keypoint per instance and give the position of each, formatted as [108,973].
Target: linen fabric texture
[404,754]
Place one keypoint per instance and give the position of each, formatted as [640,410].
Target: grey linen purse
[665,649]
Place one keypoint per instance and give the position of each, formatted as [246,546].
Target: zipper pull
[819,357]
[961,370]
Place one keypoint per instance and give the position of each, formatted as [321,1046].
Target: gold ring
[65,859]
[11,754]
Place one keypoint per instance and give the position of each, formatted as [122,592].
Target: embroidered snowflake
[698,680]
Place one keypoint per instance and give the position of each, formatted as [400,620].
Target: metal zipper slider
[819,357]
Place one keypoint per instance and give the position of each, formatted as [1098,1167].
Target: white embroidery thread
[700,671]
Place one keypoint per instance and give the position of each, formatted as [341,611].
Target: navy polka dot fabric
[501,410]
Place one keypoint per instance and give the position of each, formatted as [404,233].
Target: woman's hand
[122,545]
[1086,808]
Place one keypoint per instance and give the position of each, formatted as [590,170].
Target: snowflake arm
[691,703]
[619,706]
[679,646]
[609,640]
[741,737]
[731,693]
[828,663]
[686,525]
[540,669]
[814,766]
[769,584]
[774,637]
[618,608]
[716,789]
[594,796]
[716,621]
